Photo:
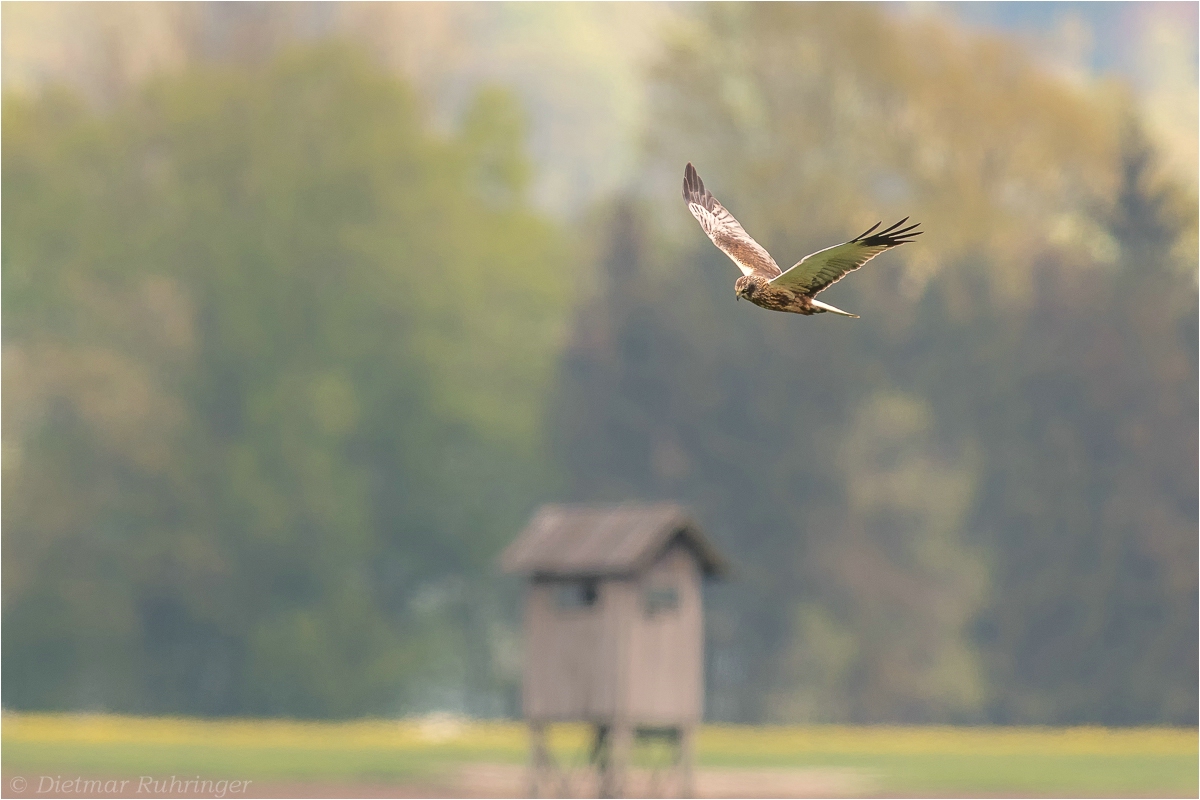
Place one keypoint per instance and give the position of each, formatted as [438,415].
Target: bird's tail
[817,304]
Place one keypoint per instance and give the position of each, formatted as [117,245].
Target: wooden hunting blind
[614,629]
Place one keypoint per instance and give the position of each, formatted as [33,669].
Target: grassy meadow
[427,752]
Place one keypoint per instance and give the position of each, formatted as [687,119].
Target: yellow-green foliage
[311,326]
[944,740]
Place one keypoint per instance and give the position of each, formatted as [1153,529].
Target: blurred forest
[291,350]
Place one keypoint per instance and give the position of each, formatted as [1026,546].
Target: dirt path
[489,780]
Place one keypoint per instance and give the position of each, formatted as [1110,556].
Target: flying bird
[794,290]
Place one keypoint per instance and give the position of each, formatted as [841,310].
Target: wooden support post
[598,759]
[539,762]
[687,759]
[602,760]
[616,766]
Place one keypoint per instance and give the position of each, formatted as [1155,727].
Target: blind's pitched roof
[605,540]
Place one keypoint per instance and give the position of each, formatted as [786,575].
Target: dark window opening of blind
[660,598]
[577,594]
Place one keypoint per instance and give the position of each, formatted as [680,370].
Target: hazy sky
[1152,46]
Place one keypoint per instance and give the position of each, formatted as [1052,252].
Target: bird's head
[744,287]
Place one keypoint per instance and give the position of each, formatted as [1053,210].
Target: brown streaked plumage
[793,290]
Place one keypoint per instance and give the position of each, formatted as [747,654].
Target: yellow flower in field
[947,740]
[441,732]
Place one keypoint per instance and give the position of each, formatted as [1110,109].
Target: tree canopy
[946,510]
[288,359]
[275,354]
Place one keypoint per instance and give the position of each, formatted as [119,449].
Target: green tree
[275,355]
[978,501]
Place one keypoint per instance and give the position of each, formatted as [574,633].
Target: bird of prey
[794,290]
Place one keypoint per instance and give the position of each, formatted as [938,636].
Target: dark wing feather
[822,269]
[725,231]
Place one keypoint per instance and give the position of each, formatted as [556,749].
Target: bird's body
[763,282]
[758,290]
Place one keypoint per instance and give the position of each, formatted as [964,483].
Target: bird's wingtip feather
[693,187]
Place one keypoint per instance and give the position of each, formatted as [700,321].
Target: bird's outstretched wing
[822,269]
[725,231]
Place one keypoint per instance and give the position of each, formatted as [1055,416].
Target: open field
[444,756]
